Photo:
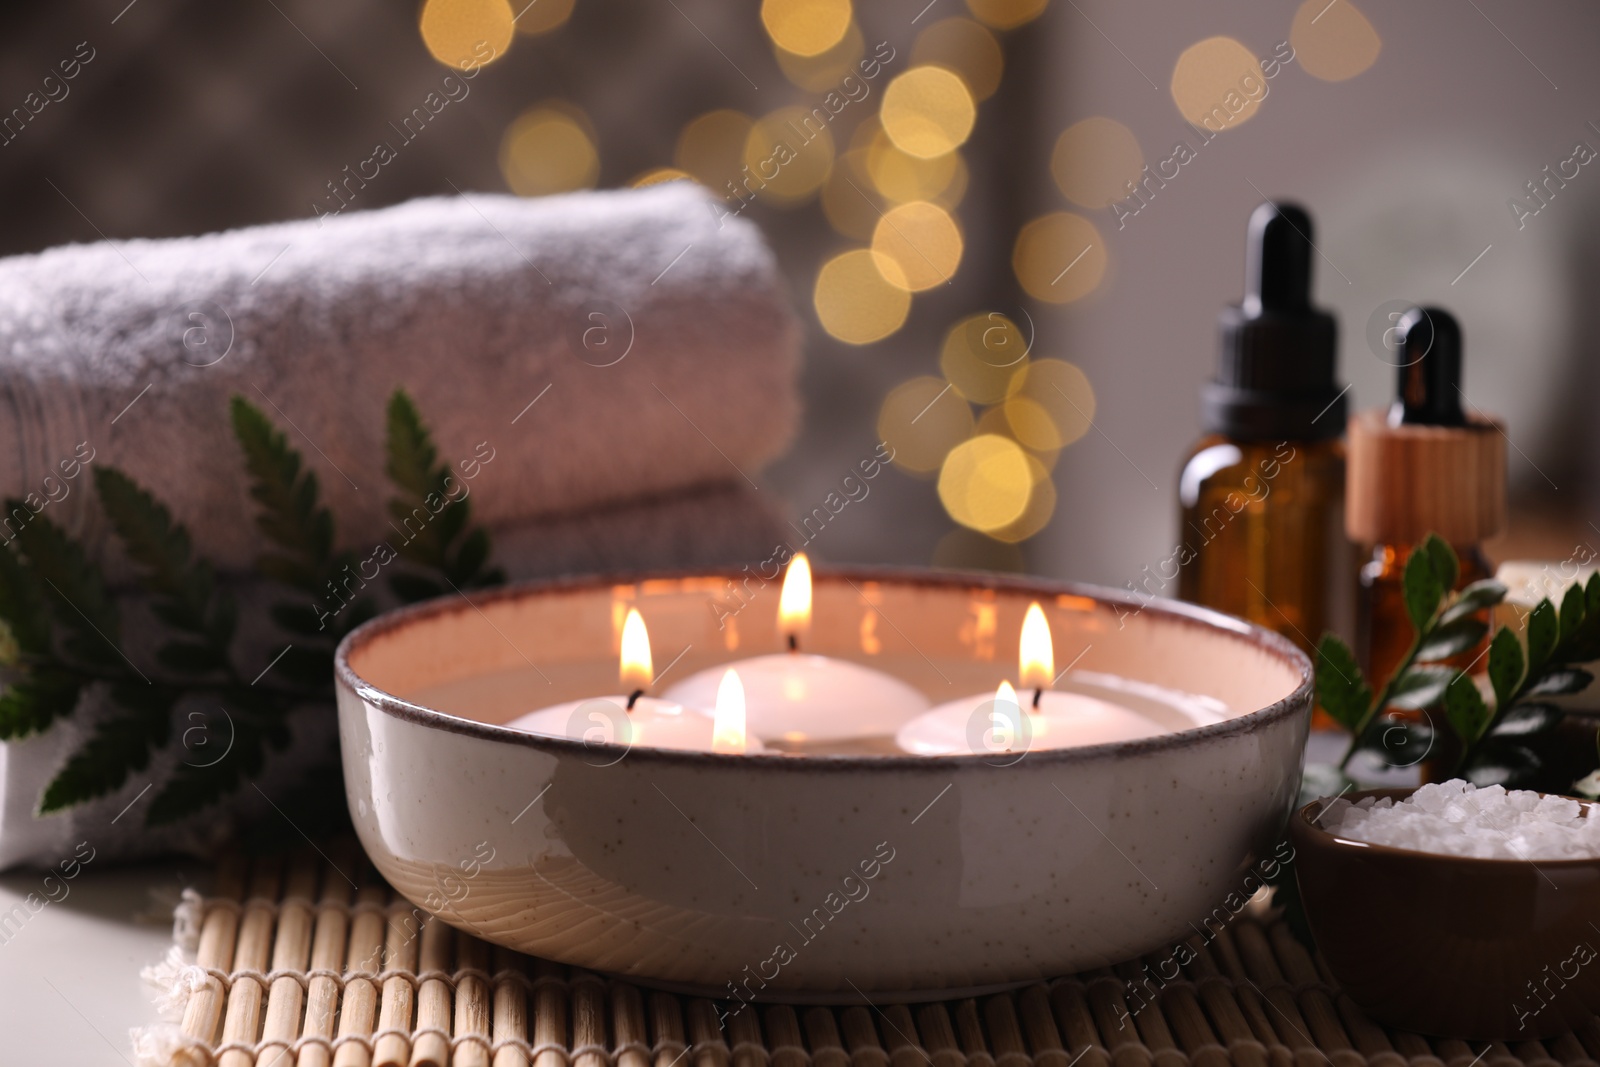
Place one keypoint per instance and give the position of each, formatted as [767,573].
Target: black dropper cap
[1429,390]
[1276,375]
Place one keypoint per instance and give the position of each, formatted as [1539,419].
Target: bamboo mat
[291,964]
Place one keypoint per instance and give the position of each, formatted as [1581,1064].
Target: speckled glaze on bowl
[815,875]
[1479,949]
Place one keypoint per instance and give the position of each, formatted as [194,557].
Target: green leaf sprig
[60,627]
[1443,625]
[1499,743]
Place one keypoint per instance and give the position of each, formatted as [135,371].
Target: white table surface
[69,975]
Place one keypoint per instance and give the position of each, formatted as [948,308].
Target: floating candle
[984,724]
[637,720]
[796,699]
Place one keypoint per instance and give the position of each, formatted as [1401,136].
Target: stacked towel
[654,343]
[616,366]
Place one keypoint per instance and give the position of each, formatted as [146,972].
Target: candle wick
[633,698]
[1037,693]
[794,642]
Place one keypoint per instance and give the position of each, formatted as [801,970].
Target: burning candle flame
[1036,657]
[727,727]
[635,668]
[794,601]
[1005,695]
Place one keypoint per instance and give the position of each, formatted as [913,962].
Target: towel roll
[603,347]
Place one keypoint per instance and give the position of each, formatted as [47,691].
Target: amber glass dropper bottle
[1262,493]
[1423,466]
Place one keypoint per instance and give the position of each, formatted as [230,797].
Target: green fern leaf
[291,516]
[196,786]
[120,746]
[76,592]
[30,704]
[436,524]
[22,605]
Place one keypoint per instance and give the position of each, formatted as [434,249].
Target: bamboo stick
[242,1023]
[588,1021]
[938,1039]
[472,1003]
[827,1050]
[219,929]
[393,1046]
[705,1036]
[431,1047]
[1076,1022]
[666,1023]
[359,1008]
[627,1018]
[1039,1026]
[549,1013]
[327,954]
[744,1038]
[510,1008]
[861,1038]
[785,1045]
[899,1033]
[969,1032]
[291,951]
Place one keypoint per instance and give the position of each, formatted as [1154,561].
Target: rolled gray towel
[606,346]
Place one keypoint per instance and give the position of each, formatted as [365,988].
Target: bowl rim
[1176,611]
[1348,845]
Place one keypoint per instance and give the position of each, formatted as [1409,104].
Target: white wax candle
[991,724]
[994,723]
[796,698]
[651,723]
[642,721]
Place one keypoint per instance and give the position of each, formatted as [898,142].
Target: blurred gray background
[194,116]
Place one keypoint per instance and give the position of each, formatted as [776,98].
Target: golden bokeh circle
[824,71]
[965,47]
[789,154]
[542,16]
[1334,42]
[981,354]
[1095,161]
[711,147]
[1040,509]
[549,149]
[860,297]
[923,240]
[922,420]
[901,177]
[1006,14]
[985,482]
[806,27]
[1217,84]
[1059,257]
[928,111]
[458,32]
[1050,405]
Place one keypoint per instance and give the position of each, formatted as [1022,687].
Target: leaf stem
[1386,694]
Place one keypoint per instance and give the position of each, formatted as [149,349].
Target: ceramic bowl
[1481,949]
[814,875]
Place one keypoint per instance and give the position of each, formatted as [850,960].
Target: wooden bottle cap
[1404,482]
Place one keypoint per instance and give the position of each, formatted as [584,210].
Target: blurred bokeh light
[928,111]
[549,149]
[861,297]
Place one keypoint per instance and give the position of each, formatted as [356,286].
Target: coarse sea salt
[1456,818]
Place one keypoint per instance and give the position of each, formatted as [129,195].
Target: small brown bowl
[1479,949]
